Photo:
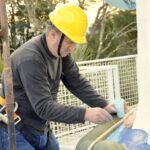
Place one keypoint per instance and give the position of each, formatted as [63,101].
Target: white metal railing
[104,79]
[109,83]
[127,75]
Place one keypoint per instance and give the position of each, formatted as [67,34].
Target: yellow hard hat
[70,20]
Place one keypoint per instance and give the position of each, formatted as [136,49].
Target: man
[37,67]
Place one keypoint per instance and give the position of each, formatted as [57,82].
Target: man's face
[67,46]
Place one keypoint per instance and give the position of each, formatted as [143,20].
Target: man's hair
[51,26]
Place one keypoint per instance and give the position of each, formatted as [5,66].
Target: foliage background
[113,32]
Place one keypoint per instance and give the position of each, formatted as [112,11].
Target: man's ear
[52,34]
[1,32]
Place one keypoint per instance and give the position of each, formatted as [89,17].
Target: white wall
[142,120]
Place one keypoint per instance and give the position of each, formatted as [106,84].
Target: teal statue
[123,4]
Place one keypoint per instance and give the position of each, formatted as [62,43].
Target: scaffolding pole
[7,75]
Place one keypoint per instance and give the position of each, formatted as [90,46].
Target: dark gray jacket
[36,77]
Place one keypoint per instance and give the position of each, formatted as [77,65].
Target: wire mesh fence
[127,75]
[112,78]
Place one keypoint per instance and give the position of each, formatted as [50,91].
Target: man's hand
[130,120]
[111,108]
[97,115]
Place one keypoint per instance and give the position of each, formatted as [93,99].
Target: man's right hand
[97,115]
[128,122]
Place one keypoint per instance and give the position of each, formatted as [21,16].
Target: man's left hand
[111,108]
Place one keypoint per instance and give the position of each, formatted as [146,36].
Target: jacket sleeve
[33,75]
[79,86]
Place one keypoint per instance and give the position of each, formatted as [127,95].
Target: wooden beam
[7,72]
